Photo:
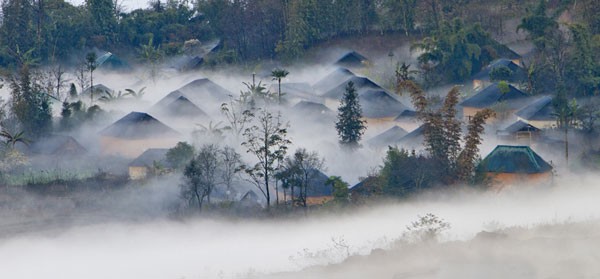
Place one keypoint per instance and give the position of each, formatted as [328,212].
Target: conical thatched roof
[352,59]
[492,95]
[138,125]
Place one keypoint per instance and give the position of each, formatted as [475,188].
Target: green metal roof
[514,159]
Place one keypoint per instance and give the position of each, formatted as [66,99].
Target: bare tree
[81,77]
[267,141]
[231,163]
[238,116]
[60,81]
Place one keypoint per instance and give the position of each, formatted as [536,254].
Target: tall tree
[267,140]
[30,104]
[90,64]
[350,126]
[278,75]
[103,19]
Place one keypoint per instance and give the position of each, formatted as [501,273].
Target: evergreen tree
[350,126]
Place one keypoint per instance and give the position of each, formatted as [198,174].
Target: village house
[519,131]
[539,113]
[508,165]
[131,135]
[152,161]
[391,136]
[353,60]
[515,74]
[504,101]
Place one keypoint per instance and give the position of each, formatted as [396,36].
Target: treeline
[53,30]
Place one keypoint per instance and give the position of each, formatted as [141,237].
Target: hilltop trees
[350,126]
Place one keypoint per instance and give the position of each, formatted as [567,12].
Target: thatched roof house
[507,165]
[145,164]
[134,133]
[379,105]
[109,61]
[181,107]
[390,137]
[313,110]
[333,79]
[492,97]
[199,92]
[352,59]
[57,145]
[539,113]
[517,73]
[519,131]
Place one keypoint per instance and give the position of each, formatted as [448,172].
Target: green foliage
[341,193]
[30,105]
[277,75]
[404,173]
[537,22]
[180,155]
[456,51]
[298,172]
[349,125]
[501,73]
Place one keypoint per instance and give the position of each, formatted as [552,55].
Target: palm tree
[111,96]
[11,139]
[138,95]
[277,75]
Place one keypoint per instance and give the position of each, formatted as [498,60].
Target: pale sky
[128,4]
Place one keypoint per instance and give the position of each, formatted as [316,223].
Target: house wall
[540,124]
[136,173]
[318,200]
[380,122]
[501,181]
[132,148]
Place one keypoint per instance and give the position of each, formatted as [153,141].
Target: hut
[519,131]
[58,145]
[180,108]
[131,135]
[507,165]
[414,139]
[99,91]
[333,79]
[378,106]
[503,101]
[352,59]
[365,189]
[200,91]
[514,74]
[317,191]
[361,84]
[294,92]
[408,119]
[539,113]
[150,162]
[109,61]
[390,137]
[313,110]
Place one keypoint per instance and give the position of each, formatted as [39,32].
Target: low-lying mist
[161,247]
